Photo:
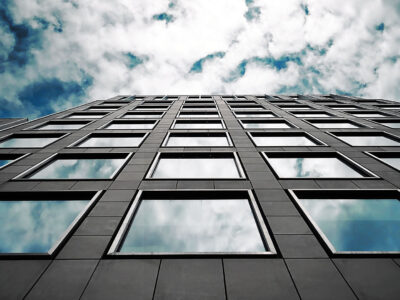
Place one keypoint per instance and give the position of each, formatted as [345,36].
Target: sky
[58,54]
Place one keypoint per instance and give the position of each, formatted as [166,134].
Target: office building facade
[203,197]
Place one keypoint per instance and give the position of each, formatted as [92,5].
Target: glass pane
[312,167]
[111,142]
[61,126]
[392,161]
[317,115]
[35,226]
[371,115]
[334,125]
[79,168]
[103,108]
[206,115]
[251,115]
[3,162]
[369,140]
[296,108]
[27,142]
[198,125]
[283,141]
[357,224]
[197,141]
[193,226]
[85,116]
[196,168]
[141,116]
[391,124]
[265,125]
[130,126]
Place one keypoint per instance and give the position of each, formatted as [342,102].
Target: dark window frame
[277,132]
[199,134]
[143,135]
[130,121]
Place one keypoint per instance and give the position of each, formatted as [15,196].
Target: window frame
[367,174]
[58,135]
[46,162]
[143,107]
[75,144]
[334,120]
[39,195]
[318,142]
[58,121]
[85,112]
[255,112]
[194,154]
[386,120]
[199,134]
[199,113]
[365,112]
[364,193]
[19,156]
[128,121]
[141,112]
[103,108]
[203,194]
[337,134]
[378,155]
[209,120]
[267,120]
[311,112]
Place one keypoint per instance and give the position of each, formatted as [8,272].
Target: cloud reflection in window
[27,142]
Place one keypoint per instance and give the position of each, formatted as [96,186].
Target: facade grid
[290,162]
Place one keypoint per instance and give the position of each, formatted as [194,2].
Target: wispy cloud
[80,51]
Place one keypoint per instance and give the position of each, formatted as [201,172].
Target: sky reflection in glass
[71,126]
[283,141]
[131,126]
[265,125]
[35,226]
[141,116]
[107,141]
[79,168]
[392,161]
[201,115]
[357,224]
[27,142]
[391,124]
[86,116]
[193,226]
[369,115]
[309,115]
[196,168]
[368,140]
[334,125]
[193,125]
[197,141]
[255,115]
[312,167]
[3,162]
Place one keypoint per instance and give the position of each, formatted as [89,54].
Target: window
[268,139]
[124,124]
[233,224]
[199,107]
[30,140]
[254,114]
[313,114]
[198,124]
[119,103]
[197,139]
[38,222]
[354,221]
[265,124]
[201,102]
[389,106]
[197,114]
[241,102]
[367,138]
[143,115]
[106,140]
[103,108]
[338,123]
[341,107]
[314,165]
[392,123]
[247,107]
[62,125]
[77,166]
[87,115]
[391,159]
[196,166]
[151,107]
[8,158]
[295,107]
[367,114]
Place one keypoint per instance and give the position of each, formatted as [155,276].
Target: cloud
[173,47]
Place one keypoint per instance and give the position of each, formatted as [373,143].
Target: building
[203,197]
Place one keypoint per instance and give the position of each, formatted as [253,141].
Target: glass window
[368,139]
[196,165]
[390,158]
[8,158]
[120,140]
[86,116]
[62,126]
[247,107]
[199,107]
[142,115]
[296,107]
[131,125]
[318,166]
[356,225]
[255,114]
[389,123]
[200,124]
[36,223]
[310,115]
[193,114]
[343,107]
[391,107]
[333,124]
[197,140]
[26,141]
[151,107]
[261,124]
[369,115]
[192,226]
[274,139]
[4,162]
[80,168]
[103,108]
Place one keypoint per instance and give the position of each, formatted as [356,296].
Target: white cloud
[359,60]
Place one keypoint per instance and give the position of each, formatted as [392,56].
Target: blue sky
[58,54]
